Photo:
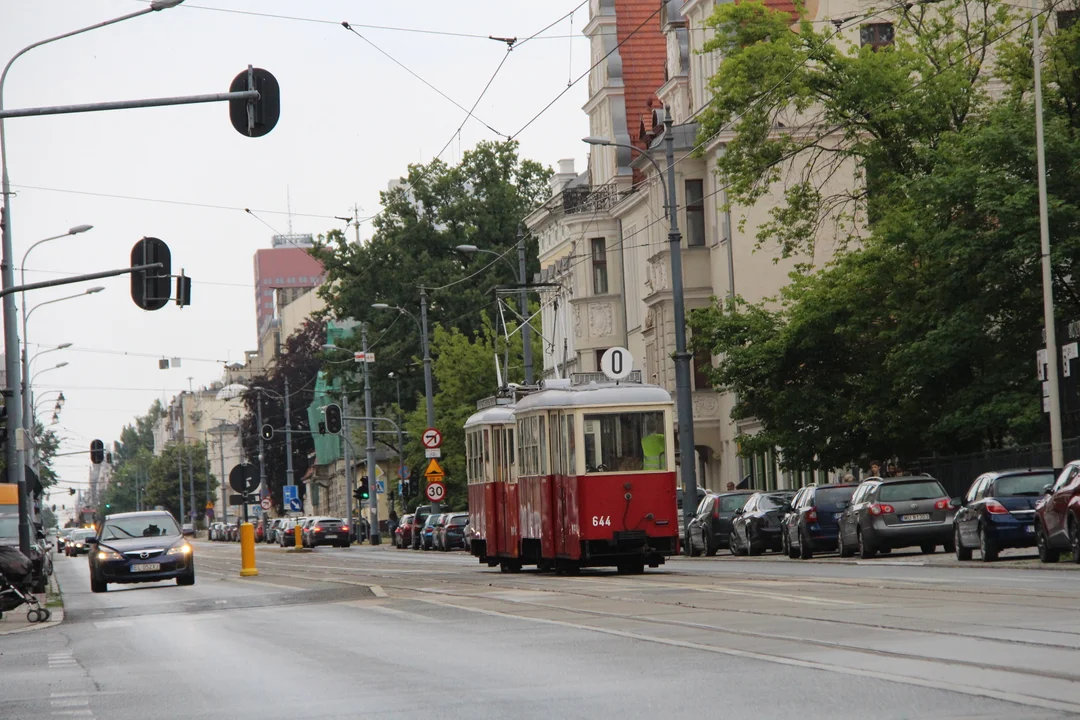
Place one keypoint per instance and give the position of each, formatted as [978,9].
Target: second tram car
[577,474]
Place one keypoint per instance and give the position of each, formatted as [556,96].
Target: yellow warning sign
[434,471]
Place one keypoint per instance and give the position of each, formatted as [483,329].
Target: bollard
[298,534]
[247,550]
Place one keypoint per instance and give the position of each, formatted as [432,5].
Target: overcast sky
[351,119]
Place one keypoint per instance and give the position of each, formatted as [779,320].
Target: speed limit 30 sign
[436,491]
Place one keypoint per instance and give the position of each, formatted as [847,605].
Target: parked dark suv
[895,513]
[999,512]
[813,525]
[1057,516]
[710,527]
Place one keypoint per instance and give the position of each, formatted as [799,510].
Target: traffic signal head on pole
[362,492]
[255,118]
[333,418]
[97,452]
[71,491]
[267,432]
[150,289]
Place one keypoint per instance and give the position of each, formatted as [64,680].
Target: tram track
[391,579]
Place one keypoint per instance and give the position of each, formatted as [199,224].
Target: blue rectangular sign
[291,497]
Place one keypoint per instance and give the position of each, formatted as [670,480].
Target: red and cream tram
[575,474]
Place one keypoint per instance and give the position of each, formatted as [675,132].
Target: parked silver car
[895,513]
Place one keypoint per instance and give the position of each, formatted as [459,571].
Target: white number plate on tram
[601,521]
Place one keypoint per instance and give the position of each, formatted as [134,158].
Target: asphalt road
[375,630]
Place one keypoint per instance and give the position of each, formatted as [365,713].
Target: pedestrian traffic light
[362,492]
[268,432]
[255,118]
[183,289]
[150,288]
[97,452]
[322,428]
[333,419]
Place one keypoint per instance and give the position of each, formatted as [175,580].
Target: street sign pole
[429,396]
[262,457]
[348,462]
[288,438]
[370,425]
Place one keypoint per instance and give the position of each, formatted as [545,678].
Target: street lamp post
[396,377]
[422,325]
[683,400]
[13,455]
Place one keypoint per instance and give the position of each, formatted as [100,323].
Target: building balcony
[591,199]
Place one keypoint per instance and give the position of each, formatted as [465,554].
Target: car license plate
[331,536]
[1030,529]
[837,516]
[146,567]
[914,518]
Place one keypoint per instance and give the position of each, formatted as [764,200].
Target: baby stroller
[16,579]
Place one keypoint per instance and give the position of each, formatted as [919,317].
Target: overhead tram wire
[209,206]
[455,103]
[536,35]
[585,74]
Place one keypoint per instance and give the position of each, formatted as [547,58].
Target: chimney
[562,178]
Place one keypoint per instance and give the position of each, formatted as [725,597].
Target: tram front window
[625,442]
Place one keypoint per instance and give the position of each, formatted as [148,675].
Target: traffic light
[71,491]
[183,289]
[107,506]
[150,288]
[267,432]
[3,427]
[255,118]
[333,419]
[97,452]
[362,492]
[322,428]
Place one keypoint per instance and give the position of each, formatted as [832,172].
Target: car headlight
[184,549]
[107,554]
[78,545]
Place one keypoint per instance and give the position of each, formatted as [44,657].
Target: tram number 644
[601,521]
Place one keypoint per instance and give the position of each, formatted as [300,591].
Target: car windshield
[82,534]
[431,520]
[1022,485]
[917,490]
[731,503]
[328,521]
[833,496]
[135,527]
[625,442]
[771,502]
[459,520]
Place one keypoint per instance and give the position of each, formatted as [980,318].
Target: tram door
[563,470]
[505,510]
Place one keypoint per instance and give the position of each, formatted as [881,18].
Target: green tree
[921,339]
[482,201]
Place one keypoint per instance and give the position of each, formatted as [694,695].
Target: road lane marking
[378,592]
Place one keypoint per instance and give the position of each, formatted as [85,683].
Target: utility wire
[585,74]
[536,35]
[455,103]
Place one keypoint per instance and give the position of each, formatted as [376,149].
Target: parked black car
[999,512]
[756,526]
[327,531]
[895,513]
[710,527]
[813,525]
[140,547]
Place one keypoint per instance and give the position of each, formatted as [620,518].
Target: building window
[280,281]
[876,35]
[1066,18]
[702,365]
[695,213]
[599,266]
[599,357]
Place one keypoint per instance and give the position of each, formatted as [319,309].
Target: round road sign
[265,503]
[431,438]
[617,363]
[436,491]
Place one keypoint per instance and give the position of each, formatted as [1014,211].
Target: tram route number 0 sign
[436,491]
[617,363]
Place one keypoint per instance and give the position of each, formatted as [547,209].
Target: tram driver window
[625,442]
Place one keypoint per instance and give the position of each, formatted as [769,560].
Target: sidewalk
[14,621]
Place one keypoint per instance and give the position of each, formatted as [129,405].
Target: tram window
[542,466]
[510,445]
[625,442]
